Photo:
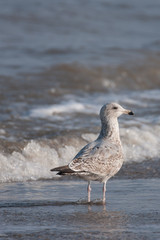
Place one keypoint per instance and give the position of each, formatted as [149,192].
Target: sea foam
[71,106]
[37,157]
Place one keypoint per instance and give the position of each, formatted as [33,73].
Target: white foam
[31,164]
[63,107]
[35,161]
[90,104]
[141,143]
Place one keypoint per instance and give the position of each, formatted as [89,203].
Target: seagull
[101,159]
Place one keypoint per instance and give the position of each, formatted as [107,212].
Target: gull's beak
[129,112]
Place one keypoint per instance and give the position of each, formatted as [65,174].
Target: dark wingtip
[57,169]
[63,170]
[58,172]
[131,113]
[54,169]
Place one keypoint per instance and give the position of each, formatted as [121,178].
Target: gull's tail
[64,170]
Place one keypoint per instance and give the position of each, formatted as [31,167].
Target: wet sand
[58,210]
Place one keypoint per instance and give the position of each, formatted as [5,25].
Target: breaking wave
[35,160]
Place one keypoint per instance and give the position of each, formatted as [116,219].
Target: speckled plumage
[98,161]
[102,158]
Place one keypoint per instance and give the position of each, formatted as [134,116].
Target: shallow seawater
[58,209]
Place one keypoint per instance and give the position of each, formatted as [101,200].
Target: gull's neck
[110,129]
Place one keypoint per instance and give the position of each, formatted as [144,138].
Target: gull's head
[113,110]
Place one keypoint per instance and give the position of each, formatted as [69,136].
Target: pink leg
[89,191]
[104,193]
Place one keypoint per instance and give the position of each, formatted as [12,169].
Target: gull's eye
[115,107]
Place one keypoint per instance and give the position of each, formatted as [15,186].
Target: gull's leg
[89,191]
[104,193]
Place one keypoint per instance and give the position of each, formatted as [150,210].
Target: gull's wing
[97,157]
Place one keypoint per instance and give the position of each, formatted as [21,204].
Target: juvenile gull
[102,158]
